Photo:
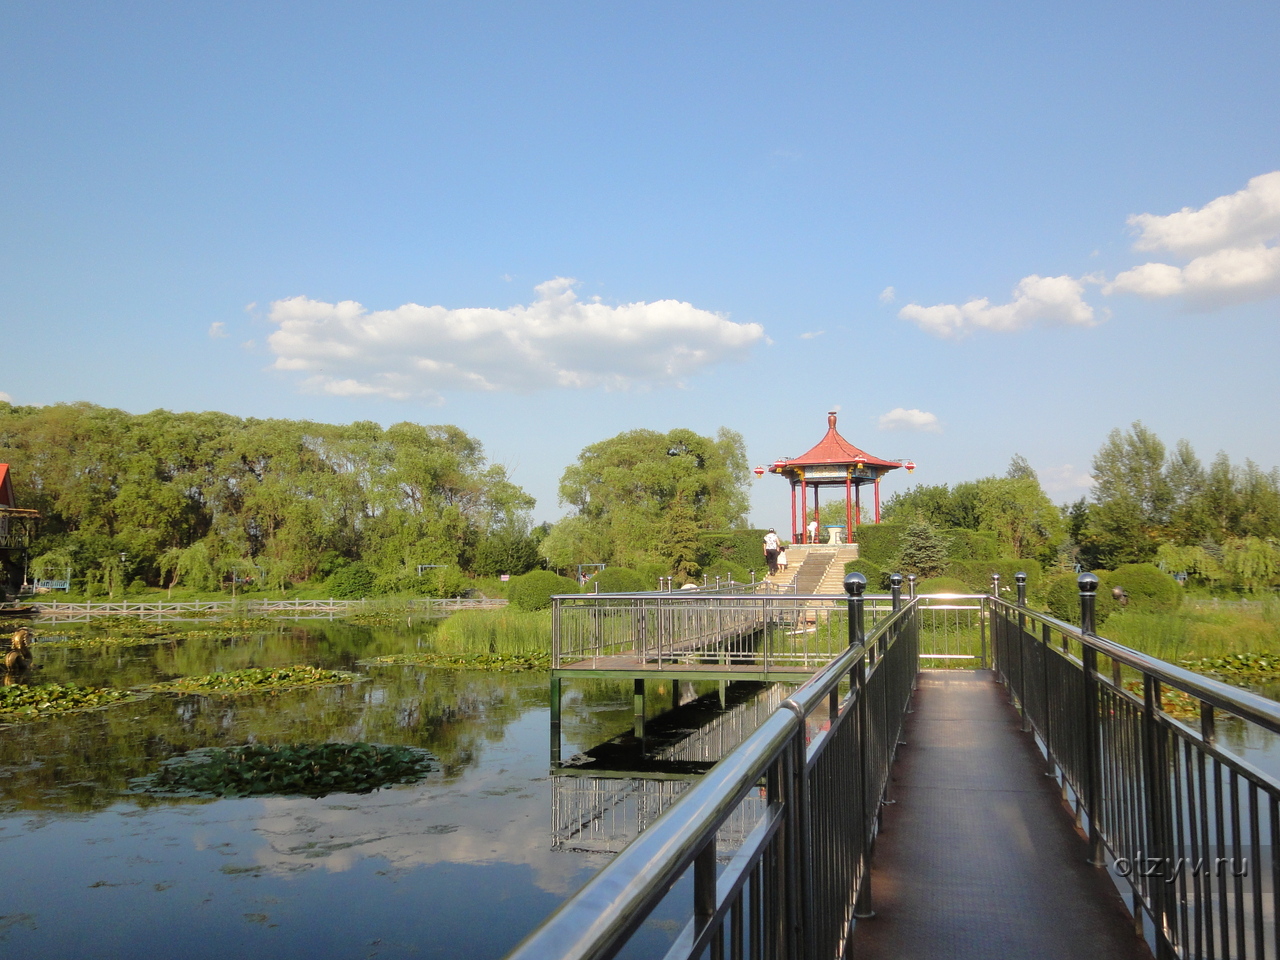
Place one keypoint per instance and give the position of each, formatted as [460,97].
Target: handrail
[594,923]
[1243,703]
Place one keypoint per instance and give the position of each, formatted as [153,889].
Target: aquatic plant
[308,770]
[257,680]
[36,701]
[473,661]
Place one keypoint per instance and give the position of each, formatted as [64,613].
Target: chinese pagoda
[834,462]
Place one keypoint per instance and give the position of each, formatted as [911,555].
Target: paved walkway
[978,857]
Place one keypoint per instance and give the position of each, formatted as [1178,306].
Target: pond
[463,862]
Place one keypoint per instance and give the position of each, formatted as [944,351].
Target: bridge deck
[979,857]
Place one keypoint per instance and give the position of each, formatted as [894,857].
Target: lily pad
[37,701]
[308,770]
[258,680]
[477,661]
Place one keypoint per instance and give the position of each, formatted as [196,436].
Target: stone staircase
[815,569]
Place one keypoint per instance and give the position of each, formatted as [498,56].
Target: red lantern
[758,471]
[909,465]
[778,465]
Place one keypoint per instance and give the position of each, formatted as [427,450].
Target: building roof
[835,450]
[6,487]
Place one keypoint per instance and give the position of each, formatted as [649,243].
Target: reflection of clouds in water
[499,813]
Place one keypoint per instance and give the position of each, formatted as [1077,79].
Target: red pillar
[877,499]
[817,537]
[804,507]
[848,511]
[793,512]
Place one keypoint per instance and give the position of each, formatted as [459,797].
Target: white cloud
[4,397]
[900,418]
[1036,300]
[812,335]
[557,341]
[1226,239]
[888,295]
[1065,479]
[217,330]
[1241,219]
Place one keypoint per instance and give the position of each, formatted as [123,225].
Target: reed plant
[1193,633]
[504,632]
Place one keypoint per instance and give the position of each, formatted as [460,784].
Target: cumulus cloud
[1226,240]
[900,418]
[1241,219]
[217,330]
[556,341]
[5,398]
[1065,479]
[1036,301]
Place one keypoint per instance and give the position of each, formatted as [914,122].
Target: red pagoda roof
[835,450]
[6,487]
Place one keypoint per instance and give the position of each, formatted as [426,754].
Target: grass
[1196,633]
[503,632]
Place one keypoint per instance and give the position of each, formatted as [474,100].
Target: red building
[17,527]
[833,462]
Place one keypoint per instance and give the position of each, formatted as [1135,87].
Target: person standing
[782,557]
[813,530]
[771,546]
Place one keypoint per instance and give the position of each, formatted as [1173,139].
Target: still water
[463,863]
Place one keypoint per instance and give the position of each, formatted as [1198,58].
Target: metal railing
[765,630]
[802,873]
[1187,826]
[217,609]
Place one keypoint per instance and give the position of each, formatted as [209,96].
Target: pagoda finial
[831,419]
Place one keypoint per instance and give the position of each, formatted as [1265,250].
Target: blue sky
[780,210]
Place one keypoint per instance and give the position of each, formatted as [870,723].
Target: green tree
[922,551]
[638,496]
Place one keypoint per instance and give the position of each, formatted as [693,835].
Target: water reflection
[462,862]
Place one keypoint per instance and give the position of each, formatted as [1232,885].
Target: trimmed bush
[534,590]
[742,547]
[942,585]
[1062,597]
[877,577]
[650,573]
[1148,587]
[977,574]
[727,570]
[618,580]
[878,543]
[972,545]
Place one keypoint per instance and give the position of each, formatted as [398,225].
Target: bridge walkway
[978,857]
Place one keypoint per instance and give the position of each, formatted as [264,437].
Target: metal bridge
[1069,797]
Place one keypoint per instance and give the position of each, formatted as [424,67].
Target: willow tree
[644,496]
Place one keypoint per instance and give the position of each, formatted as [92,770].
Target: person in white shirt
[813,530]
[771,546]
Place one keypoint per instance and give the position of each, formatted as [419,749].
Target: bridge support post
[866,806]
[1021,579]
[638,698]
[555,721]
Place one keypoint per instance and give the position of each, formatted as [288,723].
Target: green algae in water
[477,661]
[37,701]
[257,680]
[1239,667]
[304,770]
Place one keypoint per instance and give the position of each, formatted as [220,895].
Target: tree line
[1217,524]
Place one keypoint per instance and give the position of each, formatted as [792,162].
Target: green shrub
[618,580]
[942,585]
[727,570]
[878,542]
[1062,597]
[742,547]
[972,544]
[651,574]
[534,590]
[351,582]
[1148,587]
[977,574]
[877,577]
